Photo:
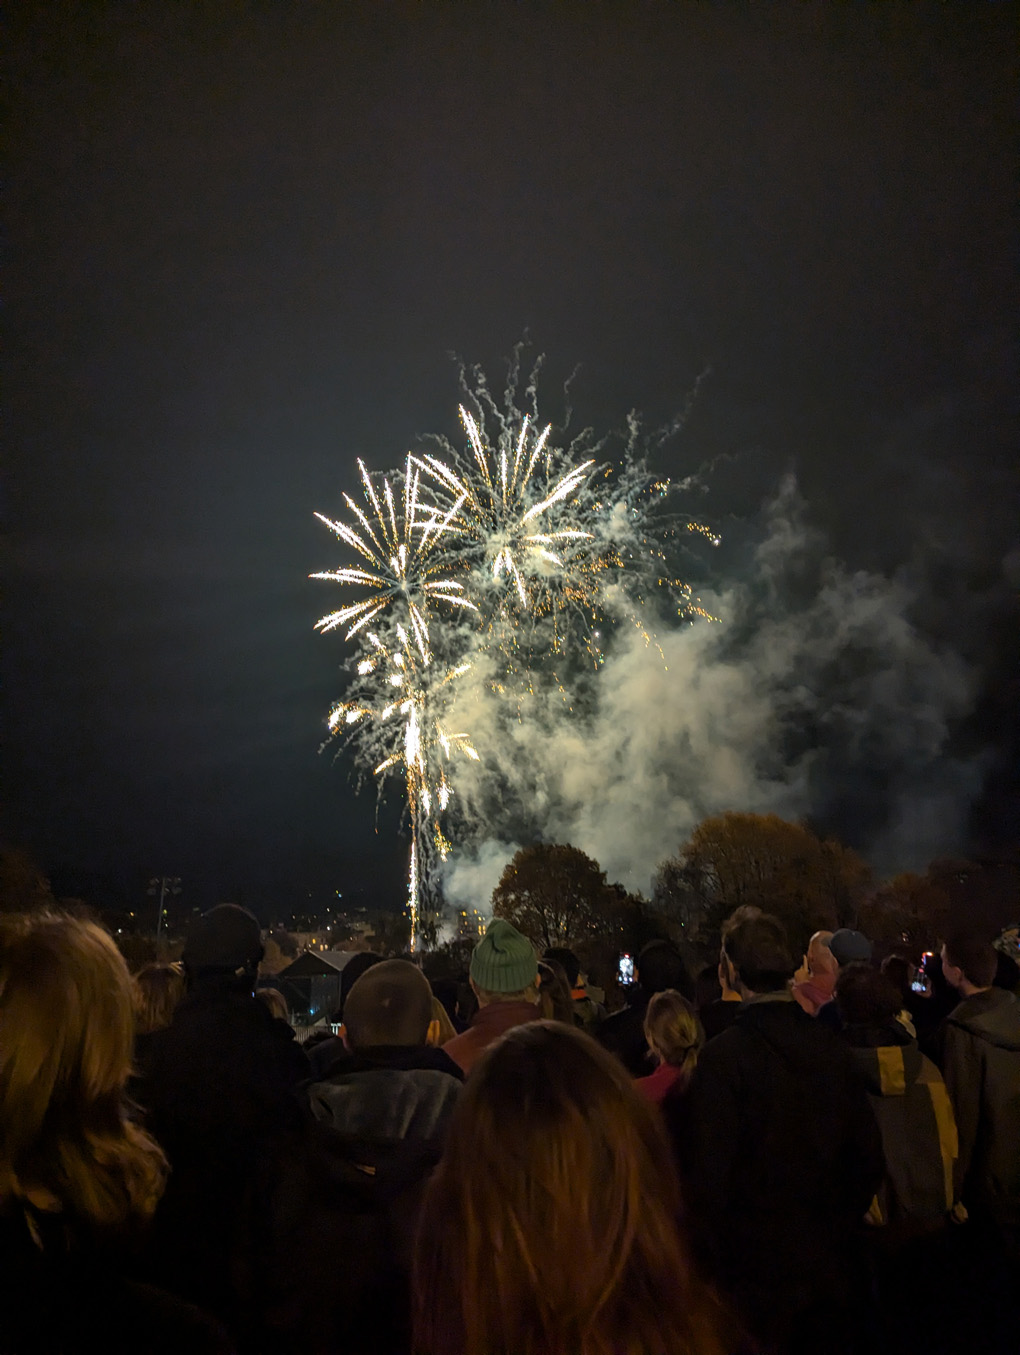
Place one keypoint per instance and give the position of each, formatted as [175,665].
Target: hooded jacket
[389,1092]
[915,1119]
[780,1156]
[980,1051]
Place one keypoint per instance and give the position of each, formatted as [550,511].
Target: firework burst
[512,555]
[399,548]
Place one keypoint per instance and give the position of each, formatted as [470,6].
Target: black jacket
[623,1034]
[64,1292]
[389,1093]
[218,1083]
[781,1156]
[325,1244]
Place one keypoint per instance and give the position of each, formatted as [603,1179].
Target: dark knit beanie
[504,961]
[847,946]
[227,939]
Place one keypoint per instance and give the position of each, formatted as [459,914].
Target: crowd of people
[759,1158]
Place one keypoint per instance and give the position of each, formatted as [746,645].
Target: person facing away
[155,992]
[674,1040]
[659,966]
[846,946]
[910,1101]
[504,978]
[815,982]
[392,1085]
[780,1152]
[218,1083]
[334,1207]
[554,1000]
[588,1014]
[325,1051]
[550,1225]
[719,1013]
[79,1181]
[979,1045]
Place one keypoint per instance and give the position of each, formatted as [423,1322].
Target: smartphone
[625,969]
[921,982]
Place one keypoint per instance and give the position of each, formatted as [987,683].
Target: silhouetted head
[504,966]
[157,989]
[391,1004]
[224,946]
[672,1030]
[866,997]
[569,961]
[759,954]
[66,1039]
[550,1223]
[660,966]
[969,957]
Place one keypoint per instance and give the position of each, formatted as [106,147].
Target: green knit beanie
[503,961]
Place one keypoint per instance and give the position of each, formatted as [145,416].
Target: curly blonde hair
[66,1034]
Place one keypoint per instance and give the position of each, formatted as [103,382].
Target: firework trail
[509,555]
[388,714]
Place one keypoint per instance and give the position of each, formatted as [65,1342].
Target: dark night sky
[243,239]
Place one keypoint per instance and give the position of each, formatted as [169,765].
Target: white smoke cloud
[470,876]
[814,696]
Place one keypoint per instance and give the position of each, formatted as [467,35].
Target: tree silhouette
[555,895]
[733,859]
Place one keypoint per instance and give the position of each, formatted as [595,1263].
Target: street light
[162,885]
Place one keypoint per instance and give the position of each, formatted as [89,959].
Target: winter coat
[980,1055]
[389,1093]
[915,1118]
[65,1292]
[325,1242]
[781,1157]
[623,1033]
[219,1082]
[717,1016]
[487,1025]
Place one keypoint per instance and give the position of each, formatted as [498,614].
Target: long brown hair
[66,1034]
[549,1227]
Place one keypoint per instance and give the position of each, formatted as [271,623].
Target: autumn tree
[907,913]
[555,895]
[734,859]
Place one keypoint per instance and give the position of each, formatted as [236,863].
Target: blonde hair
[66,1033]
[155,992]
[441,1028]
[555,1203]
[275,1001]
[672,1030]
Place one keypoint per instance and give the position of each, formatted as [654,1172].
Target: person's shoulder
[991,1017]
[463,1049]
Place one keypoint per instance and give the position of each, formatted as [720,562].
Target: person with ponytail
[674,1040]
